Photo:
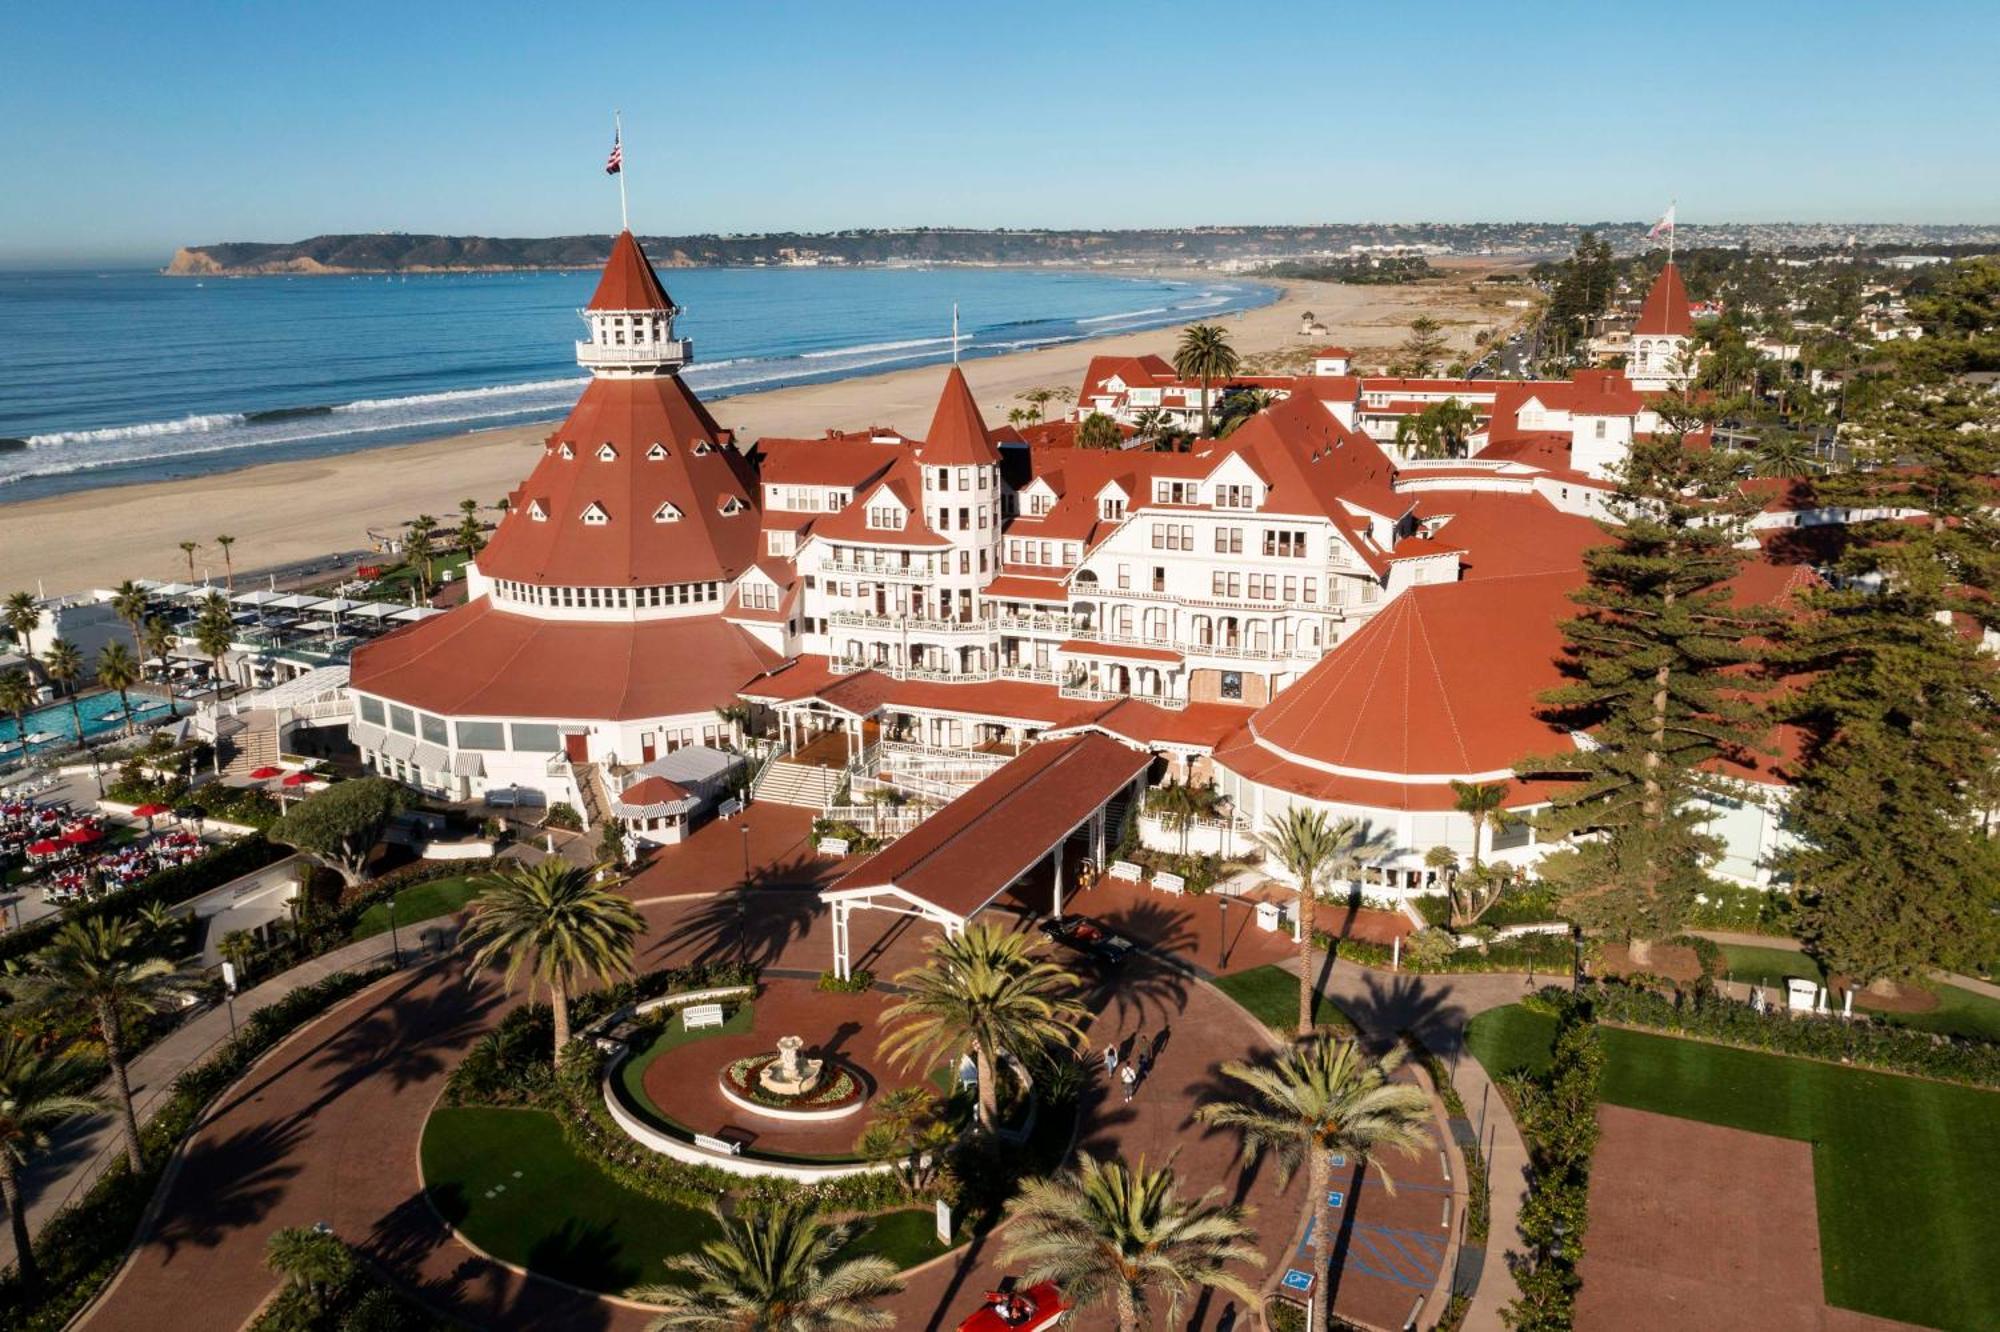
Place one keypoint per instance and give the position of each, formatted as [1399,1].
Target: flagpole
[618,137]
[954,332]
[1673,227]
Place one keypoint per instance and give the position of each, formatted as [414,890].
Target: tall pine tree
[1659,690]
[1895,866]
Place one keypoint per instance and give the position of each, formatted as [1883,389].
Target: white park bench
[1125,869]
[729,808]
[1171,884]
[710,1143]
[696,1016]
[832,846]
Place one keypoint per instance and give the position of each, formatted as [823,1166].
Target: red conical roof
[629,282]
[1666,307]
[665,453]
[957,433]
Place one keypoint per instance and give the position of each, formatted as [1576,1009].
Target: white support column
[841,961]
[1058,875]
[1097,822]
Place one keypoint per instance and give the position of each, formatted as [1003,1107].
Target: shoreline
[301,509]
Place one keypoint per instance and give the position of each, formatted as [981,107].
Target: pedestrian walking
[1145,1064]
[1110,1060]
[1130,1077]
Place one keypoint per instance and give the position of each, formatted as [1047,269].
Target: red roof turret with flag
[1666,309]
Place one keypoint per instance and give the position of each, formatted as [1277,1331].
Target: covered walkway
[963,857]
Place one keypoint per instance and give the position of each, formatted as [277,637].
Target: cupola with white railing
[631,320]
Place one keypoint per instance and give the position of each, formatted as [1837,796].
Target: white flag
[1665,226]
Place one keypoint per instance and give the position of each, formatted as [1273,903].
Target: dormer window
[730,506]
[605,453]
[1111,508]
[1235,497]
[595,516]
[1039,503]
[885,518]
[658,453]
[537,512]
[1176,492]
[702,448]
[566,451]
[666,513]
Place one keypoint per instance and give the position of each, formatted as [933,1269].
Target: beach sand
[281,513]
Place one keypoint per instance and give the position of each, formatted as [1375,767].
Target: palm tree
[1205,354]
[188,548]
[310,1259]
[471,536]
[17,696]
[118,669]
[417,551]
[64,665]
[1105,1231]
[156,640]
[1481,801]
[1319,1097]
[775,1269]
[99,963]
[558,920]
[1151,424]
[214,632]
[129,602]
[1038,401]
[38,1092]
[228,562]
[1309,847]
[1238,407]
[986,992]
[22,615]
[1787,456]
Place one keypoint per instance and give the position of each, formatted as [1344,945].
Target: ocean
[111,378]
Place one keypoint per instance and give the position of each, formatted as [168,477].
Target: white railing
[674,351]
[907,757]
[1053,622]
[1092,694]
[878,820]
[908,623]
[919,572]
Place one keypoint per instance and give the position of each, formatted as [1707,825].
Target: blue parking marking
[1336,1198]
[1294,1279]
[1338,1160]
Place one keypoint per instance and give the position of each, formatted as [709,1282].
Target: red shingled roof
[1442,682]
[631,547]
[629,282]
[478,661]
[957,434]
[966,854]
[1666,307]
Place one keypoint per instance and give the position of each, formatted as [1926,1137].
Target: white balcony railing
[1052,622]
[1089,693]
[916,572]
[674,351]
[915,624]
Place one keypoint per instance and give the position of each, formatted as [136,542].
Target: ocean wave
[1207,304]
[186,425]
[868,347]
[573,383]
[1124,314]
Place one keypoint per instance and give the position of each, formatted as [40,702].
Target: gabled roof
[630,549]
[1666,307]
[957,434]
[629,282]
[905,487]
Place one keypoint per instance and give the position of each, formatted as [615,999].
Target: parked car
[1032,1310]
[1093,939]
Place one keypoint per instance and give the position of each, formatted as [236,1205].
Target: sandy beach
[281,513]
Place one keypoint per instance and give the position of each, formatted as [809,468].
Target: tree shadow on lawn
[586,1254]
[476,1290]
[1384,1006]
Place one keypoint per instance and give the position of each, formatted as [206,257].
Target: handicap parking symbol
[1294,1279]
[1335,1198]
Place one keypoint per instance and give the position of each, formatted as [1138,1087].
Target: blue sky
[133,128]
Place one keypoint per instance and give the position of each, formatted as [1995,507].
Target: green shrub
[1704,1015]
[1729,906]
[1557,1113]
[858,980]
[563,815]
[1552,954]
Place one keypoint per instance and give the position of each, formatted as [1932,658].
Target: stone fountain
[790,1075]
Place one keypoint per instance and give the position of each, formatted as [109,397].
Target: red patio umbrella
[82,836]
[48,846]
[300,779]
[150,811]
[264,774]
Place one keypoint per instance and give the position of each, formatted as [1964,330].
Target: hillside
[1237,246]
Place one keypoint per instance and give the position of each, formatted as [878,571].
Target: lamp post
[395,940]
[1222,909]
[743,901]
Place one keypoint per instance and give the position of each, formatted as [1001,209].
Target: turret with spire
[631,319]
[1660,356]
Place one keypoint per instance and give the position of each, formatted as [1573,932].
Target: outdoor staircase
[804,784]
[246,742]
[589,778]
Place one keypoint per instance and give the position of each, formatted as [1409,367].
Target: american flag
[616,162]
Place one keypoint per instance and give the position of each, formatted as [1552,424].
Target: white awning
[367,736]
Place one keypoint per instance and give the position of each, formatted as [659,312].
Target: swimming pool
[54,726]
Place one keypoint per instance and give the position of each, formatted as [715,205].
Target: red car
[1031,1310]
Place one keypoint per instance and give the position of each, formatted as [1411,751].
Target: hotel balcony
[673,351]
[919,571]
[914,624]
[1052,622]
[1089,693]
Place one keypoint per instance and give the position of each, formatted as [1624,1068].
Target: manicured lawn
[1905,1170]
[1960,1012]
[425,901]
[1768,966]
[1271,994]
[510,1181]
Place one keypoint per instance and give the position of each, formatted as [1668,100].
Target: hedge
[1706,1016]
[174,884]
[83,1245]
[1557,1114]
[1547,953]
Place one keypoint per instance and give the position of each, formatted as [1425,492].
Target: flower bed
[843,1088]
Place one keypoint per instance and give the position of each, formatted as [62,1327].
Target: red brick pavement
[328,1130]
